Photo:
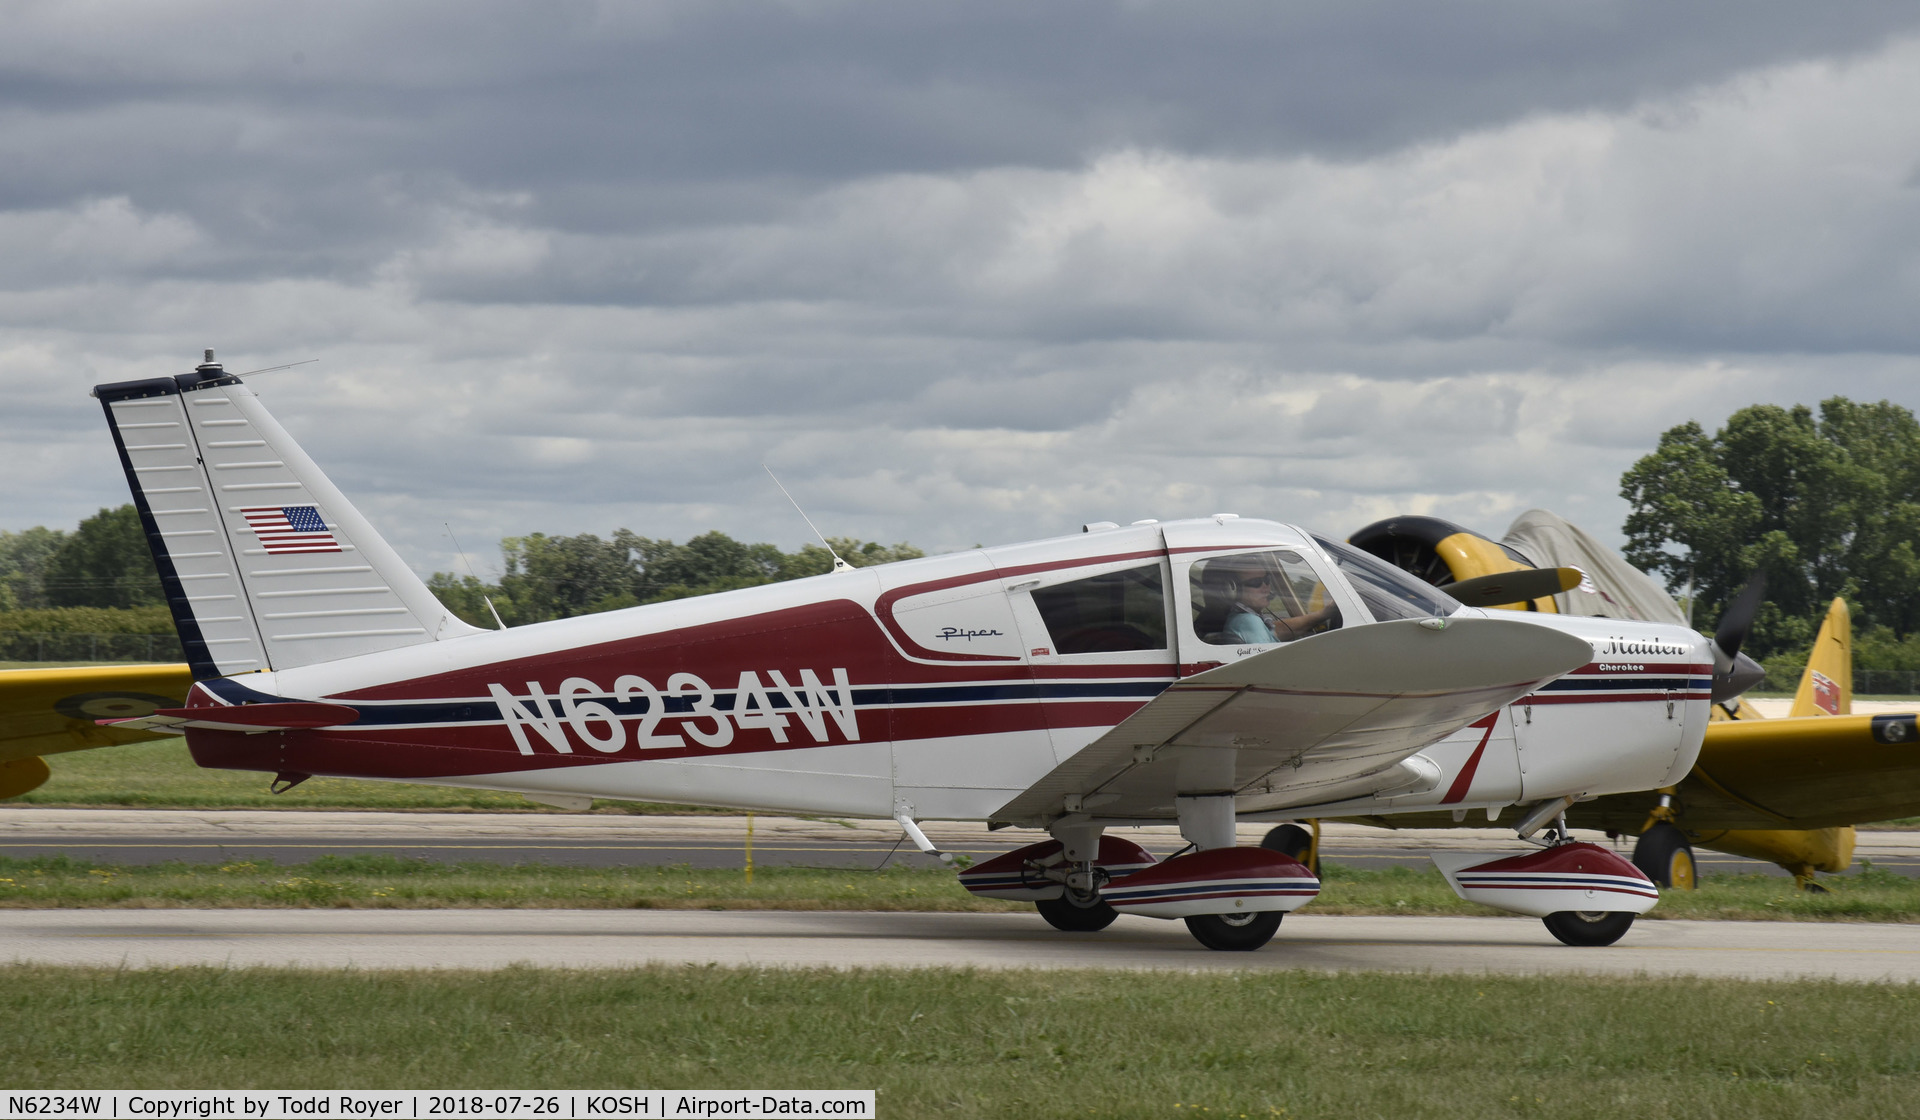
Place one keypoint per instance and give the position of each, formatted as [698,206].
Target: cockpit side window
[1259,598]
[1107,613]
[1388,592]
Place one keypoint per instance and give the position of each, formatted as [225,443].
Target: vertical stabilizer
[264,563]
[1826,688]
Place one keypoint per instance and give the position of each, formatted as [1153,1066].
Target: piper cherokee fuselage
[1201,671]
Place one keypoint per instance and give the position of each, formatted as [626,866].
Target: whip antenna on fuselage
[839,565]
[269,369]
[484,597]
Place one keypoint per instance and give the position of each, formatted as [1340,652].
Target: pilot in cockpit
[1240,605]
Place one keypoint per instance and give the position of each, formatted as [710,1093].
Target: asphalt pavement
[147,836]
[489,939]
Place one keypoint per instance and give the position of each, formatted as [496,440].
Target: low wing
[1805,772]
[48,711]
[1334,716]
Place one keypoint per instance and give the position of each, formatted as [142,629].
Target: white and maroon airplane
[1204,672]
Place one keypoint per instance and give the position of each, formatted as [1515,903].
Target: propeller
[1520,586]
[1733,671]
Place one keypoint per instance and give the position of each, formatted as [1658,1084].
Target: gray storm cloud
[958,277]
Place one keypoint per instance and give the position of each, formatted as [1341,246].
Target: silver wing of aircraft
[1337,715]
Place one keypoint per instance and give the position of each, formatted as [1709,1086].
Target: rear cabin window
[1106,613]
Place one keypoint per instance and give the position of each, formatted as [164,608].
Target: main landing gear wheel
[1589,928]
[1664,855]
[1064,913]
[1293,841]
[1235,933]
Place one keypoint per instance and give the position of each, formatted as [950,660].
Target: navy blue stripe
[1626,684]
[1528,877]
[1120,892]
[486,711]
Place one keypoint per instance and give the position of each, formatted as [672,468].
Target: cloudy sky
[960,273]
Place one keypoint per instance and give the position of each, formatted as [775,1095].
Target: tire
[1235,933]
[1063,914]
[1663,855]
[1589,928]
[1291,840]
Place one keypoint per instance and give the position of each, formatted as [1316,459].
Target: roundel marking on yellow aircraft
[90,706]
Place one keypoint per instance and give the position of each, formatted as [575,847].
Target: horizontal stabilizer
[245,717]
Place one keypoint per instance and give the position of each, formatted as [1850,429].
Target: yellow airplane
[51,711]
[1787,790]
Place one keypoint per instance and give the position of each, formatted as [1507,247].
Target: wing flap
[1290,725]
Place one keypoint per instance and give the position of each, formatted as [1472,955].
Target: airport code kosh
[545,1104]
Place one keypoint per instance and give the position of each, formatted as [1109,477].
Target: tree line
[559,577]
[100,577]
[1824,505]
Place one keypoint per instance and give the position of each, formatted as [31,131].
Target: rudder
[264,562]
[1826,688]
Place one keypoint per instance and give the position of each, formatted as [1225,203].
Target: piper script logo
[688,710]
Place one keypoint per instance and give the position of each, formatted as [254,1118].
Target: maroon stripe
[1613,698]
[1458,790]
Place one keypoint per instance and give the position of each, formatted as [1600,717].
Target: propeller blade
[1734,625]
[1733,671]
[1502,588]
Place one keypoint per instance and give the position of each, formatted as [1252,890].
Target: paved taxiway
[384,939]
[138,836]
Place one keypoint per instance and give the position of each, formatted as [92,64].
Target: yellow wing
[49,711]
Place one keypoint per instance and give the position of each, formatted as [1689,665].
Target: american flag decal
[290,529]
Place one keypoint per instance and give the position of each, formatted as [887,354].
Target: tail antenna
[213,366]
[839,565]
[484,597]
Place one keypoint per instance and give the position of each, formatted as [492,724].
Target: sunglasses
[1255,581]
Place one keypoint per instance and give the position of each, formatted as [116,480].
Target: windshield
[1388,592]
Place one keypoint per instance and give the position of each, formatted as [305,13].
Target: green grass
[162,775]
[385,881]
[67,664]
[1000,1044]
